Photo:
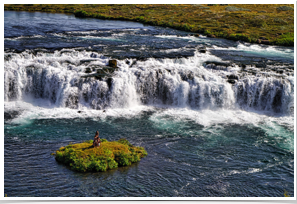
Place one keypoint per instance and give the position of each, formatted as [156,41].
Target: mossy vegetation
[84,157]
[245,22]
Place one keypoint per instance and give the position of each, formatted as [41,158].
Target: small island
[83,157]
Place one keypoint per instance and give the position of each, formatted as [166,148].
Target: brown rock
[196,35]
[112,63]
[266,42]
[259,41]
[211,36]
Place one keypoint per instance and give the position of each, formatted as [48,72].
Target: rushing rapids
[216,117]
[184,82]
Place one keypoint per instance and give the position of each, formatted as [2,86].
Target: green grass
[246,22]
[83,157]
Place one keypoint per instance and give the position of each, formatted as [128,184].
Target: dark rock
[79,111]
[112,63]
[243,66]
[261,65]
[96,75]
[109,82]
[168,70]
[263,38]
[202,49]
[130,62]
[232,76]
[196,35]
[280,71]
[231,81]
[211,36]
[259,41]
[225,64]
[86,61]
[187,76]
[88,70]
[104,111]
[93,55]
[266,42]
[11,115]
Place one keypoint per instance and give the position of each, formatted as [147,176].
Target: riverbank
[271,24]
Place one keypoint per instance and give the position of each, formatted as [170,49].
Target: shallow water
[204,136]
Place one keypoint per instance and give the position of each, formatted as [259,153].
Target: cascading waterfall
[218,114]
[179,83]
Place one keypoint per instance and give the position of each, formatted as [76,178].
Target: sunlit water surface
[204,136]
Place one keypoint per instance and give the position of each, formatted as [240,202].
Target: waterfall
[57,77]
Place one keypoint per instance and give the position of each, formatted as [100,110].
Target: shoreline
[267,24]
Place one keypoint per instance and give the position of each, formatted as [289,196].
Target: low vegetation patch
[84,157]
[246,22]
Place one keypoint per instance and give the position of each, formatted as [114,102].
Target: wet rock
[261,65]
[88,70]
[96,75]
[7,57]
[11,115]
[187,76]
[86,61]
[263,40]
[225,64]
[79,111]
[94,55]
[211,36]
[232,77]
[109,82]
[280,71]
[112,63]
[243,66]
[202,49]
[196,35]
[266,42]
[231,81]
[130,62]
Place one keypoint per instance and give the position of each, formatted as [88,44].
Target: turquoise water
[184,158]
[204,136]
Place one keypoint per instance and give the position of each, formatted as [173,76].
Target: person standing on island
[96,142]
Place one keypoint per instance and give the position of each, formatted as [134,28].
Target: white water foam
[272,51]
[175,83]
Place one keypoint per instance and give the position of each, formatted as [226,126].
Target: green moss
[286,39]
[84,157]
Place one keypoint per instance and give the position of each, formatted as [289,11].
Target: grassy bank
[84,157]
[271,24]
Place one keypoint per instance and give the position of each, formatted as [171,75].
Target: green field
[271,24]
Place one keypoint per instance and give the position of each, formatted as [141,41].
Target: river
[215,116]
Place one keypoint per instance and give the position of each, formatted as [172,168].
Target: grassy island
[271,24]
[84,157]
